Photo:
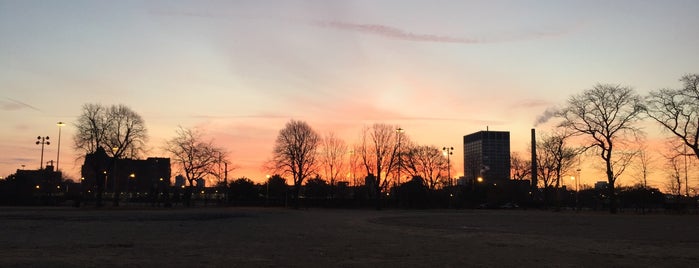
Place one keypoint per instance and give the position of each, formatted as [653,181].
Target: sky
[239,70]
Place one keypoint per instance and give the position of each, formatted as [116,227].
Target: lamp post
[58,154]
[577,190]
[114,176]
[400,158]
[43,141]
[129,190]
[448,151]
[267,195]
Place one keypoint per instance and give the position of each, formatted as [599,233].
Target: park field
[277,237]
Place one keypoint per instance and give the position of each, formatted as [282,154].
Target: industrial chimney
[534,180]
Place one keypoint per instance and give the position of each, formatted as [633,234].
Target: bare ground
[274,237]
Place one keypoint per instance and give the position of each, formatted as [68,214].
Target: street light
[448,151]
[114,177]
[43,141]
[58,154]
[400,159]
[129,188]
[267,197]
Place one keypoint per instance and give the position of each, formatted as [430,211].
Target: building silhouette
[487,156]
[33,187]
[101,172]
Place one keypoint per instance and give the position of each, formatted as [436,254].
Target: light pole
[58,154]
[43,141]
[114,177]
[448,151]
[577,190]
[400,158]
[267,195]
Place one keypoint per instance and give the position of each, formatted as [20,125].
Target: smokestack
[534,167]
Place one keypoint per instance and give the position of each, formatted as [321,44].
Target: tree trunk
[377,190]
[612,198]
[297,192]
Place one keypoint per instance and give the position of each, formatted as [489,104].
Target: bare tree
[295,153]
[606,114]
[674,184]
[91,127]
[195,156]
[379,154]
[127,132]
[117,129]
[554,158]
[644,162]
[354,165]
[222,168]
[521,168]
[677,110]
[427,162]
[333,153]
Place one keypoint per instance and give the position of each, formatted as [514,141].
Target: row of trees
[299,152]
[382,153]
[604,120]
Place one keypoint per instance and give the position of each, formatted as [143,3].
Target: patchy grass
[271,237]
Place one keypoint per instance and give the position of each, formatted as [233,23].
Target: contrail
[16,105]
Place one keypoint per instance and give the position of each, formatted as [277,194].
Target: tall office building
[487,155]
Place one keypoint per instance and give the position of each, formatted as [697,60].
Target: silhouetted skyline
[241,70]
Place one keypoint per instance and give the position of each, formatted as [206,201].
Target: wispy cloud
[251,116]
[531,103]
[396,33]
[12,105]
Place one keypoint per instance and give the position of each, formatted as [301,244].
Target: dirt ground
[276,237]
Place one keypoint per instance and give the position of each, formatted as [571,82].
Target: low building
[101,172]
[32,187]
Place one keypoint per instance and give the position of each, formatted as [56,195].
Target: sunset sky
[239,70]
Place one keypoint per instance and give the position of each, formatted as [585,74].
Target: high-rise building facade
[487,155]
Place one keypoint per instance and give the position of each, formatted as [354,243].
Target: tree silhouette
[276,188]
[379,155]
[554,158]
[242,191]
[117,130]
[295,153]
[317,188]
[521,168]
[426,162]
[606,115]
[333,152]
[677,110]
[194,156]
